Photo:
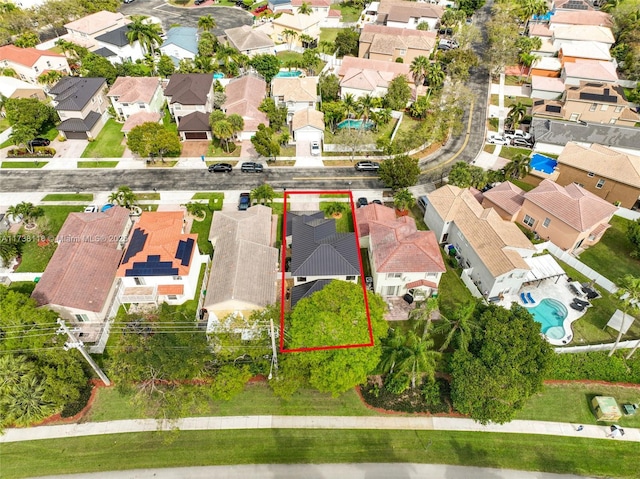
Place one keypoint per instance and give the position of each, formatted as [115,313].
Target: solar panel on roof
[138,240]
[538,102]
[554,108]
[598,97]
[184,251]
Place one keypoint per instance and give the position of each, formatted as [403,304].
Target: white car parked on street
[498,140]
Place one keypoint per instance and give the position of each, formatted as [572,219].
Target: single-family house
[582,33]
[490,250]
[244,271]
[295,93]
[131,95]
[195,126]
[140,118]
[318,7]
[189,92]
[79,281]
[319,254]
[84,30]
[405,14]
[308,125]
[560,5]
[13,88]
[568,216]
[549,67]
[378,42]
[249,41]
[161,262]
[612,175]
[590,102]
[363,76]
[546,88]
[82,105]
[181,43]
[566,18]
[30,63]
[573,73]
[402,258]
[244,96]
[299,23]
[585,50]
[114,45]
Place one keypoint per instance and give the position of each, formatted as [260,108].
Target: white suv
[315,148]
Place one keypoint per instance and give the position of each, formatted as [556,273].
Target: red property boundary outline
[349,194]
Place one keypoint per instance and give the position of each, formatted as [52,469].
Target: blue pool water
[218,76]
[550,313]
[288,74]
[543,163]
[355,124]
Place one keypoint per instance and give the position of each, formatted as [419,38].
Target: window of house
[351,278]
[394,275]
[593,107]
[172,297]
[82,317]
[528,220]
[574,117]
[390,291]
[48,63]
[590,174]
[600,183]
[579,184]
[604,107]
[302,279]
[403,52]
[546,222]
[619,109]
[139,281]
[612,121]
[36,69]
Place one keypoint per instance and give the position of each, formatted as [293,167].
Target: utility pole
[79,345]
[274,353]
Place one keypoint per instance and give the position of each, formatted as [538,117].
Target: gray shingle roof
[189,88]
[73,93]
[116,37]
[318,250]
[104,52]
[307,289]
[78,124]
[562,132]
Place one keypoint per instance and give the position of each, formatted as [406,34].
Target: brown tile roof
[582,17]
[603,162]
[96,22]
[584,33]
[506,196]
[367,74]
[491,237]
[571,204]
[402,10]
[244,96]
[539,30]
[134,89]
[189,88]
[194,121]
[245,38]
[83,267]
[607,93]
[297,21]
[386,40]
[25,56]
[164,234]
[140,118]
[295,89]
[307,117]
[245,264]
[397,245]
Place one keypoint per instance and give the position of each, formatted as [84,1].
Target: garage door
[302,135]
[76,135]
[195,135]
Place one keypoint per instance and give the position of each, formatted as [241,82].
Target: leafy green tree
[165,66]
[123,196]
[277,115]
[229,381]
[334,113]
[30,113]
[420,107]
[206,45]
[9,248]
[502,33]
[403,199]
[470,6]
[22,135]
[336,316]
[458,62]
[267,65]
[460,175]
[350,104]
[329,87]
[423,26]
[27,40]
[633,235]
[263,194]
[518,167]
[354,139]
[153,140]
[398,93]
[399,172]
[629,295]
[311,60]
[265,142]
[504,365]
[96,66]
[346,42]
[50,77]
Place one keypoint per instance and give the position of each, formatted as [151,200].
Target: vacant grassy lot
[198,448]
[611,257]
[108,143]
[68,197]
[97,164]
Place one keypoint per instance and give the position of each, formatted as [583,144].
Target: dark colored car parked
[251,167]
[220,168]
[362,202]
[244,202]
[39,142]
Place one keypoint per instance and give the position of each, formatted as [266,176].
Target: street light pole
[79,345]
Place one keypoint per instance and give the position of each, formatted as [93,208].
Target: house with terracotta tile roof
[565,18]
[308,125]
[249,41]
[298,22]
[568,216]
[295,93]
[79,281]
[582,33]
[379,42]
[402,258]
[490,250]
[244,270]
[573,73]
[84,30]
[570,51]
[189,92]
[407,14]
[244,96]
[30,63]
[546,88]
[131,95]
[161,262]
[609,174]
[363,76]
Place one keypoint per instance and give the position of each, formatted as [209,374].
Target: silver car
[315,148]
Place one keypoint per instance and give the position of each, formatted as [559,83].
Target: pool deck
[549,288]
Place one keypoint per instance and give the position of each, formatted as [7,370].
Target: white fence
[598,347]
[475,292]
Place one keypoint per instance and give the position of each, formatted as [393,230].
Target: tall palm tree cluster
[367,107]
[431,75]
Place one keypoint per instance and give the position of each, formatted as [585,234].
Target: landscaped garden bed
[425,398]
[38,152]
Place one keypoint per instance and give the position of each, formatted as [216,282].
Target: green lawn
[452,291]
[571,403]
[509,152]
[68,197]
[350,12]
[4,124]
[201,228]
[522,184]
[23,164]
[511,100]
[611,256]
[311,446]
[108,143]
[215,150]
[168,122]
[329,34]
[97,164]
[344,224]
[35,258]
[147,196]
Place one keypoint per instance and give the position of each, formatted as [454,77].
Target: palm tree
[148,34]
[610,5]
[365,104]
[123,196]
[263,193]
[392,350]
[629,295]
[29,212]
[422,315]
[419,357]
[517,113]
[419,67]
[226,56]
[306,40]
[526,60]
[9,249]
[518,167]
[206,23]
[22,135]
[289,36]
[403,199]
[223,130]
[27,403]
[350,103]
[459,328]
[196,209]
[305,9]
[50,77]
[327,46]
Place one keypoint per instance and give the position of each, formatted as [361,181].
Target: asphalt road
[184,179]
[226,17]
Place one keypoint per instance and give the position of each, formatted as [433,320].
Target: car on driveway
[244,202]
[367,166]
[511,134]
[315,148]
[498,140]
[199,2]
[362,202]
[39,142]
[522,142]
[251,167]
[220,168]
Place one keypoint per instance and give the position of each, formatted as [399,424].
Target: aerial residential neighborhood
[318,237]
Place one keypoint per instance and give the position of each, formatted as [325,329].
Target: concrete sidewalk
[422,423]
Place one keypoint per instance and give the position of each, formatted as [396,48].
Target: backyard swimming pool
[543,163]
[355,124]
[550,313]
[288,74]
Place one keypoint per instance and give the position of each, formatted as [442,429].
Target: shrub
[38,152]
[72,408]
[596,366]
[411,400]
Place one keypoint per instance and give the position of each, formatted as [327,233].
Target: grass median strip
[97,164]
[68,197]
[305,446]
[23,164]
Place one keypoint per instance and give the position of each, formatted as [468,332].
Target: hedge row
[596,366]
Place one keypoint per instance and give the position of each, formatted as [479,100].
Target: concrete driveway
[69,148]
[226,17]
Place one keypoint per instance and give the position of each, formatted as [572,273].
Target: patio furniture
[577,307]
[584,304]
[523,298]
[530,298]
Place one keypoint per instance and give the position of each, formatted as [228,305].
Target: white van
[423,202]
